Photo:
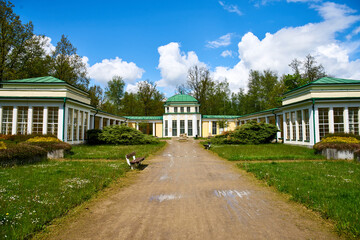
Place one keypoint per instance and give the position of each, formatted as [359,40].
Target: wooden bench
[135,162]
[207,146]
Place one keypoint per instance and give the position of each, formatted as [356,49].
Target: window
[75,123]
[182,109]
[22,120]
[7,119]
[293,126]
[52,127]
[214,128]
[188,109]
[38,116]
[196,109]
[86,124]
[299,125]
[174,128]
[81,124]
[175,109]
[307,124]
[69,123]
[323,122]
[338,120]
[198,127]
[190,129]
[287,119]
[166,128]
[182,126]
[354,120]
[167,109]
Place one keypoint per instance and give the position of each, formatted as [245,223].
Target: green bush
[124,135]
[342,135]
[22,154]
[93,137]
[51,146]
[251,132]
[17,138]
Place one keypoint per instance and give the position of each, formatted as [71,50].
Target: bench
[207,146]
[135,162]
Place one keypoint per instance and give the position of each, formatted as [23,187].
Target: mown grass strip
[112,151]
[265,152]
[331,188]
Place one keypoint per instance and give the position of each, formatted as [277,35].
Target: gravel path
[187,192]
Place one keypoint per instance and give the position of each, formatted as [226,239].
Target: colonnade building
[50,105]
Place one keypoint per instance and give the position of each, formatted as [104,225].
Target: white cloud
[227,53]
[277,50]
[131,88]
[220,42]
[103,71]
[231,8]
[46,44]
[174,65]
[303,1]
[355,32]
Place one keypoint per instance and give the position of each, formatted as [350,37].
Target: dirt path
[189,193]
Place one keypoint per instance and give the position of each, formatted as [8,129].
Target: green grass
[112,151]
[33,195]
[331,188]
[265,152]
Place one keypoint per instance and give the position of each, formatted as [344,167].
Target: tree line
[23,55]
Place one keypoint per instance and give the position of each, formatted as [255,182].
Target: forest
[23,54]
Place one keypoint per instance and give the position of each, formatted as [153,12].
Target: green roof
[144,117]
[47,79]
[328,80]
[181,98]
[220,116]
[264,111]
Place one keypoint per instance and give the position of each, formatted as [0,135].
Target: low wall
[331,153]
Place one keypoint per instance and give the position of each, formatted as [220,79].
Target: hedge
[22,154]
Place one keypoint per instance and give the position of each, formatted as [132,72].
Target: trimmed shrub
[342,135]
[22,138]
[93,137]
[2,145]
[124,135]
[339,141]
[50,146]
[22,154]
[43,139]
[251,132]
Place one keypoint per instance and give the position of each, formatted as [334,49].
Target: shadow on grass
[142,166]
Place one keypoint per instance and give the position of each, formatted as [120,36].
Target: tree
[96,96]
[15,38]
[130,105]
[311,71]
[68,66]
[149,97]
[114,92]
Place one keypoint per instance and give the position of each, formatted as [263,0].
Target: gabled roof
[326,81]
[181,98]
[144,117]
[46,79]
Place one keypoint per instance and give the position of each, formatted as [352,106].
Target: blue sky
[159,40]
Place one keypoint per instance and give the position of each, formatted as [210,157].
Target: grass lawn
[112,151]
[33,195]
[265,152]
[331,188]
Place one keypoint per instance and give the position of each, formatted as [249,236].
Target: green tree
[149,98]
[20,50]
[68,65]
[114,92]
[130,105]
[96,96]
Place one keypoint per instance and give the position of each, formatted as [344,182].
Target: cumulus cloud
[231,8]
[103,71]
[174,64]
[47,45]
[222,41]
[227,53]
[276,50]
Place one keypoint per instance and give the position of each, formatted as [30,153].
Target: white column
[0,118]
[83,125]
[14,120]
[30,117]
[108,122]
[267,119]
[186,125]
[210,127]
[78,126]
[346,119]
[303,125]
[72,124]
[331,120]
[296,126]
[154,128]
[60,123]
[194,126]
[284,127]
[278,134]
[317,133]
[101,121]
[45,120]
[137,126]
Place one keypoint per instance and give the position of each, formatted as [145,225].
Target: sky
[159,40]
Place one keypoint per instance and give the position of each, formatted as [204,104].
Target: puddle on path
[164,197]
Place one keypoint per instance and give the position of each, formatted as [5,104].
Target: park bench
[135,162]
[207,146]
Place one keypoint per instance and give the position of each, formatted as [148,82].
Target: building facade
[49,105]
